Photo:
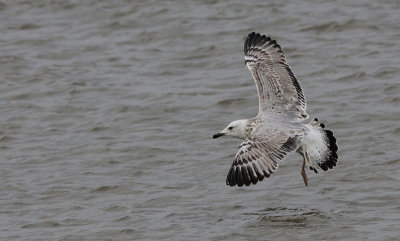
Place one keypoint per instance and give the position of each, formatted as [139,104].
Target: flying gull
[281,126]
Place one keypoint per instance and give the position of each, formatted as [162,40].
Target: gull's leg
[303,172]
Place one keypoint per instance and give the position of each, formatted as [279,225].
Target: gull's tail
[320,146]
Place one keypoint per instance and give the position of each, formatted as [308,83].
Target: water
[108,108]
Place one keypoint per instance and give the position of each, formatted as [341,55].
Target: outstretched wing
[258,158]
[278,89]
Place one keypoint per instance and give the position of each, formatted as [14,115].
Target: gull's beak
[218,135]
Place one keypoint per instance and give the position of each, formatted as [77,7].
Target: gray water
[108,108]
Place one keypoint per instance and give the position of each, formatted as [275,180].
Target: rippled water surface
[108,108]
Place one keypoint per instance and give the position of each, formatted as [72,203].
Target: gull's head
[235,129]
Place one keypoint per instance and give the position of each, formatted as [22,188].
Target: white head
[235,129]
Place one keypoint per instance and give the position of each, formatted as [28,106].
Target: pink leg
[303,172]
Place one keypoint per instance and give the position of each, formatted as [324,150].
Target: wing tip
[256,39]
[246,175]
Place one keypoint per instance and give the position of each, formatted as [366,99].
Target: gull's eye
[230,128]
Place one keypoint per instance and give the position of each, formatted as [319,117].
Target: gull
[281,126]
